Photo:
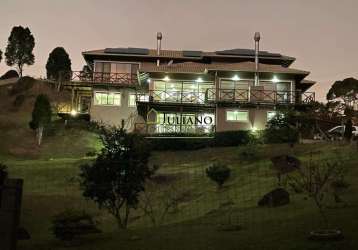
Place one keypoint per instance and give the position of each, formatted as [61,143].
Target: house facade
[162,92]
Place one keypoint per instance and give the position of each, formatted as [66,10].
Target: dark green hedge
[218,139]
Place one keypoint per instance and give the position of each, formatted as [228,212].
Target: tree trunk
[20,70]
[39,135]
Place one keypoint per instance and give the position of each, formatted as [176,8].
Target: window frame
[238,110]
[129,100]
[108,93]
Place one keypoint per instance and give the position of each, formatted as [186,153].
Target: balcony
[102,77]
[212,96]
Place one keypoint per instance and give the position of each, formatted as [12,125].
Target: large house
[156,91]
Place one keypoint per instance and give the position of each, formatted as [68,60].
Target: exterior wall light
[148,80]
[235,78]
[166,78]
[199,79]
[253,129]
[73,113]
[275,79]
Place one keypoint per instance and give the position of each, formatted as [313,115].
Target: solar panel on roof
[192,53]
[246,52]
[130,51]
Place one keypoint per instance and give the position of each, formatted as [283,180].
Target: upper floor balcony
[129,79]
[213,96]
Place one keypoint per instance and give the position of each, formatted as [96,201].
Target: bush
[71,223]
[281,130]
[3,173]
[249,152]
[218,173]
[9,74]
[163,144]
[232,138]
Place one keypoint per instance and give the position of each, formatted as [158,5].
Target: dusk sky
[321,34]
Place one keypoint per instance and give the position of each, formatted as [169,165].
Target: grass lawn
[51,186]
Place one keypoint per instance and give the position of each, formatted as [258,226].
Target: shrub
[9,74]
[71,223]
[218,173]
[232,138]
[249,152]
[3,173]
[281,130]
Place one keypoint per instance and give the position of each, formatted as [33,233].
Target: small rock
[275,198]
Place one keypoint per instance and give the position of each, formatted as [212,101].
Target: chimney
[257,49]
[159,45]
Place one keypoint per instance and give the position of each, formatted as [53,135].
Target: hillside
[18,140]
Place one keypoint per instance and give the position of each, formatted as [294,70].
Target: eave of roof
[192,67]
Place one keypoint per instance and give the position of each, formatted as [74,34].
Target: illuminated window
[105,98]
[237,116]
[132,102]
[271,115]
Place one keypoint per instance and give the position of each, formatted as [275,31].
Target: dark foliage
[9,74]
[0,55]
[3,173]
[348,130]
[275,198]
[345,91]
[58,63]
[116,178]
[232,138]
[71,223]
[19,48]
[282,129]
[218,173]
[41,114]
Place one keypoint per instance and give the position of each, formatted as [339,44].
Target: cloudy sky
[321,34]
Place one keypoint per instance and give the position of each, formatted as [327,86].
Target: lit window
[132,100]
[237,116]
[271,115]
[104,98]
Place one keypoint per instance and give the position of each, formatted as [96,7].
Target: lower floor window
[107,98]
[237,116]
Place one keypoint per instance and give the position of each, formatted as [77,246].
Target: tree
[117,177]
[19,48]
[218,173]
[344,92]
[58,63]
[0,55]
[41,116]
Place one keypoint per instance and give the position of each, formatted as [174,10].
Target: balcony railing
[102,77]
[254,96]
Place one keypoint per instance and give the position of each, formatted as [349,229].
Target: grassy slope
[51,186]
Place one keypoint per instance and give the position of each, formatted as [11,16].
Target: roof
[143,52]
[192,67]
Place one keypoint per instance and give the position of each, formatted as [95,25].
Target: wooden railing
[101,77]
[255,96]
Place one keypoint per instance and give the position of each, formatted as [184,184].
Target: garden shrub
[249,152]
[219,173]
[281,130]
[232,138]
[71,223]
